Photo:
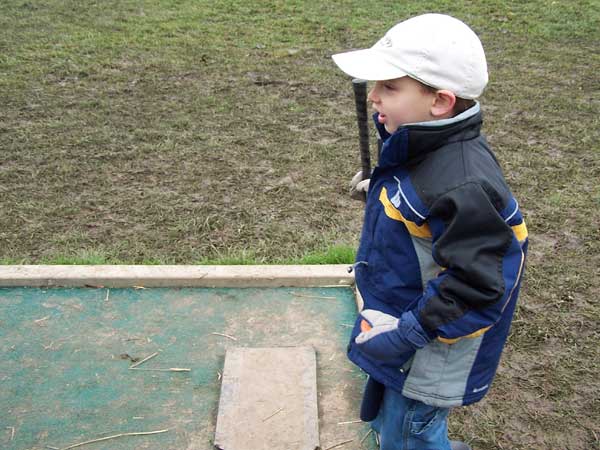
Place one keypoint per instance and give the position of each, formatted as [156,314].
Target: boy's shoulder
[456,164]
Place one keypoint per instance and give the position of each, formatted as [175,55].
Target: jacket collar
[412,142]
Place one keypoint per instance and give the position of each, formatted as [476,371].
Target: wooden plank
[268,400]
[177,276]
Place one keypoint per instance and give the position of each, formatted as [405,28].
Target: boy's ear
[443,104]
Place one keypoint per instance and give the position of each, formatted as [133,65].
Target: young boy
[443,244]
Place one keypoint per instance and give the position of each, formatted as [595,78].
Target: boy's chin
[389,129]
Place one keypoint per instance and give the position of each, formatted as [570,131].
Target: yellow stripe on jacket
[520,231]
[471,336]
[421,231]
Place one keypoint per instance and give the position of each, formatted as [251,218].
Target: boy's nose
[373,97]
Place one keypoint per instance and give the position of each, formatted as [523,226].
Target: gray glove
[386,337]
[359,187]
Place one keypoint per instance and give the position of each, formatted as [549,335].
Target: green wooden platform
[65,355]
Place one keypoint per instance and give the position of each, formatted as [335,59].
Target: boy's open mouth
[381,118]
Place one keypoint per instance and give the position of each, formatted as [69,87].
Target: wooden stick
[143,360]
[366,435]
[225,335]
[297,294]
[350,421]
[170,369]
[339,445]
[276,412]
[12,432]
[346,285]
[141,433]
[107,294]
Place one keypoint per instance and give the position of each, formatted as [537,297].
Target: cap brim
[367,64]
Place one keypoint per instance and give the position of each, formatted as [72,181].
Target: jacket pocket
[439,372]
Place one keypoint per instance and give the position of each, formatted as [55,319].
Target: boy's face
[401,101]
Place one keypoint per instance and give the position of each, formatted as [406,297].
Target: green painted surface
[65,353]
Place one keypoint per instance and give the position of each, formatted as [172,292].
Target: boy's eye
[389,86]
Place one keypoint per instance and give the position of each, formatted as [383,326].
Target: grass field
[195,131]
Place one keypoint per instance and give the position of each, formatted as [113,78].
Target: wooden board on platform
[268,400]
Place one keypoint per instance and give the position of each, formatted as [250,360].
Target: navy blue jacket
[443,237]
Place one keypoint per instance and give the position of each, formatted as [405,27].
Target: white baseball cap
[435,49]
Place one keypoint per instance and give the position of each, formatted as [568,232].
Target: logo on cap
[385,41]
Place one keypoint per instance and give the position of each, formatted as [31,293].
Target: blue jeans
[405,424]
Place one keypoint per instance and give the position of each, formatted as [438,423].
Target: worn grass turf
[195,131]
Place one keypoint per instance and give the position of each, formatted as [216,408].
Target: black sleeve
[470,241]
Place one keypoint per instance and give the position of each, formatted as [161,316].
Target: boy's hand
[359,187]
[389,336]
